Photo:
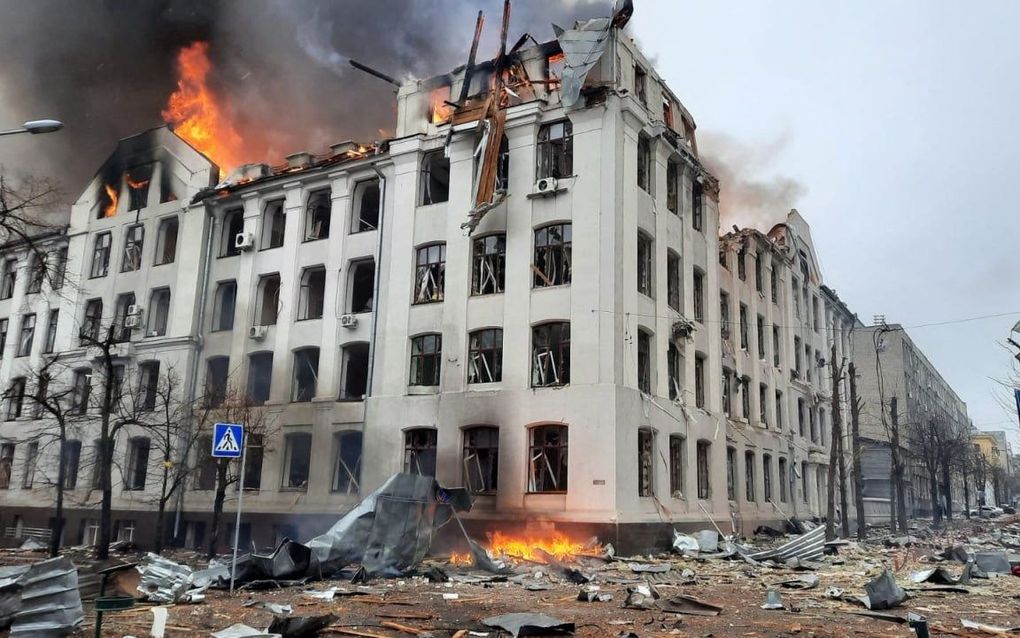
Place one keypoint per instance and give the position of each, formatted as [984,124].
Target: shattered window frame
[92,319]
[674,365]
[297,465]
[553,255]
[134,243]
[745,398]
[697,206]
[759,275]
[318,215]
[749,474]
[548,470]
[268,300]
[742,263]
[555,150]
[348,447]
[364,201]
[698,281]
[644,163]
[159,312]
[745,337]
[731,473]
[224,306]
[724,315]
[485,356]
[167,235]
[435,168]
[503,165]
[779,410]
[805,494]
[673,171]
[137,463]
[641,85]
[100,262]
[550,354]
[646,462]
[677,457]
[796,357]
[645,265]
[801,418]
[359,283]
[480,459]
[233,225]
[81,390]
[763,404]
[312,296]
[9,278]
[420,451]
[354,371]
[727,392]
[488,264]
[644,361]
[703,461]
[59,268]
[673,270]
[26,338]
[430,273]
[15,398]
[274,225]
[426,360]
[699,381]
[783,480]
[773,286]
[777,349]
[305,376]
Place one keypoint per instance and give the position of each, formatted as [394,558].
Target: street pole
[240,495]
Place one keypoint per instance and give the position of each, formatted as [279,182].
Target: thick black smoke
[106,67]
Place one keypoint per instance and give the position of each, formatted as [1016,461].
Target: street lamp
[36,127]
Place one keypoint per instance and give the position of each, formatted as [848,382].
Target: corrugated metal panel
[50,604]
[805,546]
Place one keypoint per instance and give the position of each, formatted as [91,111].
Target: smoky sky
[105,68]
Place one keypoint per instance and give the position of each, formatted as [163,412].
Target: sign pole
[237,522]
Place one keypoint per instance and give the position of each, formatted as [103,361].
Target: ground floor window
[704,482]
[481,458]
[646,462]
[676,466]
[731,473]
[420,451]
[548,459]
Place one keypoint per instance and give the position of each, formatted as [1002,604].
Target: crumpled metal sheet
[50,602]
[528,624]
[805,546]
[240,630]
[582,47]
[163,580]
[10,593]
[883,592]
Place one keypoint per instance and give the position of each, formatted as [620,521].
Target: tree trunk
[221,495]
[830,489]
[843,506]
[106,468]
[966,487]
[57,529]
[161,512]
[855,443]
[933,489]
[901,505]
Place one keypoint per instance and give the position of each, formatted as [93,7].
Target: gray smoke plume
[105,68]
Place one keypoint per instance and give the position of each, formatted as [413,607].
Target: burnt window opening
[644,163]
[760,331]
[268,300]
[313,293]
[724,315]
[480,459]
[699,381]
[167,181]
[59,268]
[166,241]
[697,206]
[317,215]
[15,398]
[109,198]
[366,206]
[503,165]
[727,392]
[134,240]
[644,362]
[488,267]
[704,454]
[148,384]
[674,361]
[759,274]
[137,466]
[435,178]
[677,465]
[742,263]
[159,312]
[555,150]
[260,377]
[550,354]
[552,265]
[51,332]
[547,470]
[784,480]
[27,336]
[274,226]
[641,85]
[31,459]
[485,356]
[233,225]
[362,284]
[731,473]
[673,187]
[297,459]
[420,451]
[306,375]
[645,268]
[796,296]
[347,472]
[699,296]
[91,321]
[745,397]
[100,260]
[763,404]
[354,381]
[426,360]
[71,461]
[36,272]
[749,477]
[224,304]
[646,462]
[673,280]
[430,273]
[554,65]
[81,390]
[744,328]
[667,113]
[121,331]
[779,410]
[6,465]
[138,180]
[217,372]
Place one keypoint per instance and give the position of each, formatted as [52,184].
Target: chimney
[299,160]
[343,147]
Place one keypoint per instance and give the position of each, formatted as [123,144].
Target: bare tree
[856,404]
[27,212]
[926,437]
[836,453]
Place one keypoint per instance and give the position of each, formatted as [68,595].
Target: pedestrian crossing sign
[227,440]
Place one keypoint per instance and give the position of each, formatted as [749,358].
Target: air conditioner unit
[134,309]
[546,185]
[244,240]
[349,321]
[257,333]
[132,321]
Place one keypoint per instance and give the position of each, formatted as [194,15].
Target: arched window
[481,458]
[420,451]
[547,469]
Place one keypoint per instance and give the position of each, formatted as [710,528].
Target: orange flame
[111,207]
[534,548]
[439,110]
[135,185]
[195,114]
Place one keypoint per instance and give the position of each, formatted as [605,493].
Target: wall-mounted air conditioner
[258,333]
[349,321]
[244,241]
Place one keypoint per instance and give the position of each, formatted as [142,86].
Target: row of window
[134,242]
[26,335]
[40,266]
[674,176]
[127,317]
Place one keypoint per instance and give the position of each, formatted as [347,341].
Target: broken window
[749,477]
[699,296]
[435,178]
[673,280]
[745,397]
[775,346]
[71,461]
[15,398]
[233,225]
[81,389]
[313,293]
[697,206]
[317,215]
[27,336]
[430,273]
[704,475]
[485,356]
[426,359]
[644,362]
[100,261]
[547,470]
[742,263]
[297,459]
[763,404]
[121,331]
[137,463]
[306,374]
[761,337]
[644,163]
[796,297]
[804,480]
[488,265]
[759,283]
[812,422]
[9,277]
[59,268]
[699,381]
[673,187]
[223,305]
[555,150]
[814,313]
[552,255]
[800,415]
[645,256]
[674,362]
[268,300]
[253,462]
[783,480]
[366,206]
[6,465]
[148,384]
[773,285]
[134,240]
[677,456]
[347,452]
[354,373]
[362,285]
[667,112]
[159,312]
[166,241]
[640,85]
[274,225]
[36,272]
[260,377]
[137,180]
[744,336]
[796,358]
[807,362]
[91,321]
[31,458]
[779,410]
[503,165]
[217,371]
[481,459]
[3,334]
[550,354]
[724,315]
[731,473]
[420,451]
[51,332]
[646,462]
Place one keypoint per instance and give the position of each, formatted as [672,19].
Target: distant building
[998,468]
